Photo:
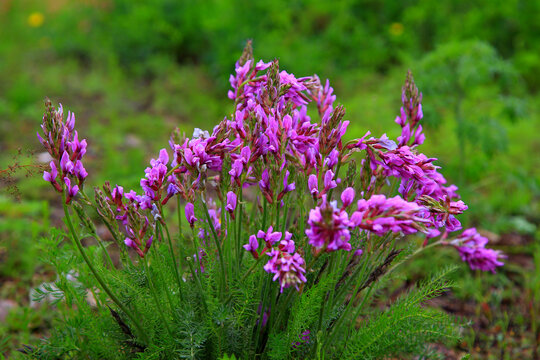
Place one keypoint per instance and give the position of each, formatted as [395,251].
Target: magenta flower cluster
[266,148]
[287,265]
[62,142]
[472,249]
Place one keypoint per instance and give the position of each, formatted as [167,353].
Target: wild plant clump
[268,237]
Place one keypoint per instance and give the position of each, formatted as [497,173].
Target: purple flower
[358,144]
[133,244]
[472,249]
[289,269]
[231,203]
[65,164]
[347,196]
[80,172]
[313,185]
[71,191]
[245,154]
[328,228]
[270,237]
[236,171]
[215,215]
[163,156]
[304,338]
[154,178]
[130,243]
[410,114]
[252,246]
[380,215]
[149,242]
[457,207]
[190,214]
[265,315]
[202,255]
[77,148]
[324,97]
[264,185]
[286,187]
[51,176]
[329,182]
[172,189]
[287,244]
[332,159]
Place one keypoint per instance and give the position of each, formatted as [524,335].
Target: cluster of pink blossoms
[287,265]
[472,249]
[269,143]
[62,142]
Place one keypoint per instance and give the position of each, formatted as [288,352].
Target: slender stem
[160,275]
[336,176]
[123,252]
[285,217]
[173,258]
[250,270]
[179,214]
[244,277]
[416,252]
[154,295]
[196,245]
[198,281]
[239,230]
[94,232]
[345,287]
[278,203]
[325,299]
[263,226]
[285,306]
[107,255]
[98,276]
[266,290]
[218,245]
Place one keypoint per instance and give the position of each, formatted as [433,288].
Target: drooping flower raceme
[379,215]
[472,249]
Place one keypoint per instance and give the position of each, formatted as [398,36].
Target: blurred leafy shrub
[471,83]
[334,36]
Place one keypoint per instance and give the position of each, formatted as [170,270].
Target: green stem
[239,230]
[196,245]
[285,306]
[94,232]
[218,245]
[244,277]
[336,176]
[199,283]
[161,279]
[98,276]
[154,295]
[179,214]
[173,258]
[263,226]
[325,298]
[416,252]
[278,203]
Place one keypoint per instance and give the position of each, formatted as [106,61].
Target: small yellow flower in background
[396,29]
[36,19]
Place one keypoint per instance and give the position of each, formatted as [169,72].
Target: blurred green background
[134,70]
